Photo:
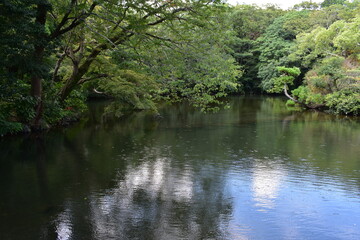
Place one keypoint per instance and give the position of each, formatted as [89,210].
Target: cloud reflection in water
[266,183]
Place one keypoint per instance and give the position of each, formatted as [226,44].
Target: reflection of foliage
[111,170]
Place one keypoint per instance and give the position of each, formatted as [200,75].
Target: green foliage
[249,23]
[329,52]
[328,3]
[331,84]
[18,33]
[56,111]
[341,38]
[276,45]
[132,89]
[344,102]
[306,5]
[7,127]
[199,67]
[286,78]
[14,113]
[17,107]
[326,76]
[293,72]
[301,93]
[111,47]
[139,51]
[279,83]
[305,96]
[331,66]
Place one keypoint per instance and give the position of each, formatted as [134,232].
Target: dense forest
[55,55]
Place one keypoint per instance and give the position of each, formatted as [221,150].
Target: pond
[255,171]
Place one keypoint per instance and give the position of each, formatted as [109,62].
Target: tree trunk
[36,92]
[76,77]
[314,106]
[288,95]
[79,72]
[36,86]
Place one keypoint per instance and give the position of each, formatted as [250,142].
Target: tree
[249,23]
[328,3]
[340,39]
[197,66]
[332,55]
[73,37]
[286,78]
[306,5]
[37,38]
[276,45]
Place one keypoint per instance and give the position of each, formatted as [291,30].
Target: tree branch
[288,95]
[102,35]
[77,20]
[160,38]
[57,66]
[184,9]
[83,80]
[65,18]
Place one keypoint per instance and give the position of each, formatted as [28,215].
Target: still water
[256,171]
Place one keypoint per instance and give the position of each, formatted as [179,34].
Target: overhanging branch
[83,80]
[76,20]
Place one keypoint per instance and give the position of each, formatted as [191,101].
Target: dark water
[256,171]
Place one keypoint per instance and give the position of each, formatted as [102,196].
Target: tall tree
[250,22]
[78,32]
[328,3]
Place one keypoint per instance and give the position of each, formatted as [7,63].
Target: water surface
[256,171]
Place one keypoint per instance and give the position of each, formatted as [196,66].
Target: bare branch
[102,35]
[76,21]
[160,38]
[104,18]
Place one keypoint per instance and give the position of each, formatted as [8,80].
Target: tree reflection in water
[154,200]
[256,171]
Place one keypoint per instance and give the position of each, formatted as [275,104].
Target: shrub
[344,102]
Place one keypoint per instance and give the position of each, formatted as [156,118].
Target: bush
[304,95]
[344,102]
[7,127]
[15,112]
